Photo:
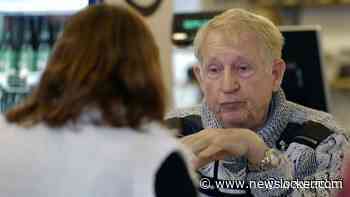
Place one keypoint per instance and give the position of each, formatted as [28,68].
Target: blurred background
[317,47]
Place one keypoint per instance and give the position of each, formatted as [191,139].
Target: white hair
[232,23]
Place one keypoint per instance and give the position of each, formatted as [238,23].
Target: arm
[304,163]
[330,158]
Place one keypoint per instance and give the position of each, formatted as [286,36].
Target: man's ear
[278,69]
[197,73]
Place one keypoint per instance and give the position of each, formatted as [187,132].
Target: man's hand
[215,144]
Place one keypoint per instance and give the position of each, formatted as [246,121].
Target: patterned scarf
[276,122]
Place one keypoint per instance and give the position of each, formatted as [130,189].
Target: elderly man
[245,129]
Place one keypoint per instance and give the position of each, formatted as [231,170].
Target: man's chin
[233,119]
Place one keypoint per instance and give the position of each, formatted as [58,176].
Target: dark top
[173,179]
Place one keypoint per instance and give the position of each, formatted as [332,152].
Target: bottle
[25,62]
[43,55]
[2,59]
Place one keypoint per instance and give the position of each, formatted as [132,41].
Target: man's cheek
[212,102]
[211,88]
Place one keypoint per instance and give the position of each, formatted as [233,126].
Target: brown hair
[106,58]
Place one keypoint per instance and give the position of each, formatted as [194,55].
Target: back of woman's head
[105,59]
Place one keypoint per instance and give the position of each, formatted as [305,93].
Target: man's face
[236,81]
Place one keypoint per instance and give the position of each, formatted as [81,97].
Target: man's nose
[230,82]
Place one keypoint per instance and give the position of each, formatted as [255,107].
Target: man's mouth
[231,106]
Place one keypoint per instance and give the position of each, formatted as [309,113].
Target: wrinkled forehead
[221,40]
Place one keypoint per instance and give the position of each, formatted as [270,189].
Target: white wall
[335,24]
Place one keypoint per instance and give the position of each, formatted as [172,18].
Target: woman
[92,126]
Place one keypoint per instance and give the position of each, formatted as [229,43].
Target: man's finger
[208,155]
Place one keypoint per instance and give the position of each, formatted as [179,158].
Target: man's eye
[213,70]
[243,67]
[245,70]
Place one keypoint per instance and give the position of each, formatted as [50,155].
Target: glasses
[216,71]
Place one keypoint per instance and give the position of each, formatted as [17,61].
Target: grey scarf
[276,122]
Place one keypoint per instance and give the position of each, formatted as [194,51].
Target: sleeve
[173,178]
[305,171]
[327,178]
[346,187]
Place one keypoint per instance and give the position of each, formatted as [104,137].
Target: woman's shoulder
[7,128]
[3,121]
[154,136]
[152,140]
